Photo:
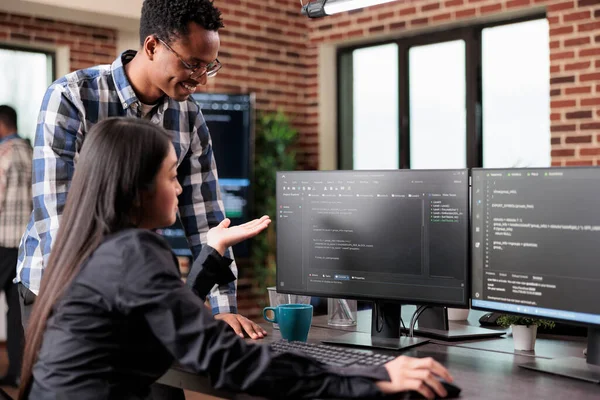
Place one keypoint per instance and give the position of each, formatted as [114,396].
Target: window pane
[438,106]
[23,82]
[516,95]
[376,137]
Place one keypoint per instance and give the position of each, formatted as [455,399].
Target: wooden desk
[482,373]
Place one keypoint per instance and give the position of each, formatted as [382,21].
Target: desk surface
[547,346]
[484,370]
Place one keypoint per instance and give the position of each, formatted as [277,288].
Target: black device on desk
[342,357]
[390,236]
[334,356]
[452,390]
[489,319]
[536,246]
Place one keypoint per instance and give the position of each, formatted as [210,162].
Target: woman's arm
[209,269]
[179,320]
[151,287]
[211,266]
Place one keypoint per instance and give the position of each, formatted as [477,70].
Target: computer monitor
[229,118]
[536,251]
[175,236]
[392,237]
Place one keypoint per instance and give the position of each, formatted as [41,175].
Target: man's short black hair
[8,116]
[168,19]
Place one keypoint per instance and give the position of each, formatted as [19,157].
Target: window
[25,77]
[437,97]
[375,107]
[516,95]
[470,97]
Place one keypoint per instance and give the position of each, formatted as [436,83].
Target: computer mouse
[452,389]
[489,319]
[453,392]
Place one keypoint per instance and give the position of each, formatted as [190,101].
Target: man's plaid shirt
[71,106]
[15,190]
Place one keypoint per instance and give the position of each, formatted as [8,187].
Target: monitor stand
[434,323]
[574,367]
[385,331]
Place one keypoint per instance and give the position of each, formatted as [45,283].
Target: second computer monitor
[536,250]
[536,242]
[399,235]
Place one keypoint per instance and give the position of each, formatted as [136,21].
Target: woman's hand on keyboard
[419,374]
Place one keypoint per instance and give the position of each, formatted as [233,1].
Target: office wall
[87,45]
[263,50]
[574,49]
[289,60]
[125,9]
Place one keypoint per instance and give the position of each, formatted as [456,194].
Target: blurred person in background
[15,209]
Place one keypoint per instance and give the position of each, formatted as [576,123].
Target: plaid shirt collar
[125,92]
[124,89]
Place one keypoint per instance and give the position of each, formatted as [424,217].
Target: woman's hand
[420,374]
[222,236]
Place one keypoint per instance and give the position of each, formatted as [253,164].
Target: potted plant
[524,329]
[274,149]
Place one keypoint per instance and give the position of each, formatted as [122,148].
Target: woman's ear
[141,198]
[137,212]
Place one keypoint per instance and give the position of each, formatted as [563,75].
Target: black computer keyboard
[331,355]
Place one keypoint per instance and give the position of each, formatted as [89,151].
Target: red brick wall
[574,46]
[263,50]
[575,81]
[89,45]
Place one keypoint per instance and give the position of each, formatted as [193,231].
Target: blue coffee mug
[294,320]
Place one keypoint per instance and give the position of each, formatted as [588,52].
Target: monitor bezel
[462,304]
[472,266]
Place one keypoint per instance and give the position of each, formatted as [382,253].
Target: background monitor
[229,118]
[536,251]
[396,236]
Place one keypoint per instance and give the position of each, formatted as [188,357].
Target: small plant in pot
[524,329]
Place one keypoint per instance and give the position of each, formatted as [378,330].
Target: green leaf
[508,320]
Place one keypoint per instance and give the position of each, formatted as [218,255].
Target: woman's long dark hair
[120,158]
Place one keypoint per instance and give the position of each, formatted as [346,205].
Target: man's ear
[149,47]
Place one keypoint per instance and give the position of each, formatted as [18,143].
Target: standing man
[15,209]
[179,46]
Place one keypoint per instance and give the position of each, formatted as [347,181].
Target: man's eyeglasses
[196,71]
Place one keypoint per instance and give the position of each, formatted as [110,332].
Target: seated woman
[113,313]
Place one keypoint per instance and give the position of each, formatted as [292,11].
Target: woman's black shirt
[127,316]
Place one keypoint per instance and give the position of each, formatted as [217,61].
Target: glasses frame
[196,72]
